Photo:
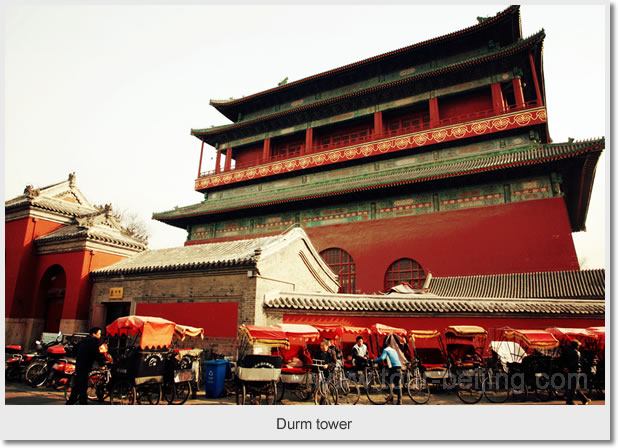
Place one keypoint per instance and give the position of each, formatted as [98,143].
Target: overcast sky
[111,92]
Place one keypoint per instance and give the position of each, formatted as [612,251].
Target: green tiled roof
[420,173]
[459,65]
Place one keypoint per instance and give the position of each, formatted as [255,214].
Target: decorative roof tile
[429,303]
[563,284]
[199,256]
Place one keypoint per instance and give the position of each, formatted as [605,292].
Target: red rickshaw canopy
[600,333]
[532,339]
[268,335]
[182,331]
[423,334]
[467,331]
[381,329]
[155,331]
[299,330]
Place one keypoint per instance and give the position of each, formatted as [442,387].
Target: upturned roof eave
[228,107]
[205,133]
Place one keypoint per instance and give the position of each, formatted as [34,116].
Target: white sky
[111,92]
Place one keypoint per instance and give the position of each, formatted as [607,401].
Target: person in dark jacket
[573,365]
[86,353]
[327,356]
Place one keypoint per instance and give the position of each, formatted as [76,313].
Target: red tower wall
[522,237]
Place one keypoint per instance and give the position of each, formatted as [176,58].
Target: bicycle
[348,391]
[325,392]
[416,383]
[377,389]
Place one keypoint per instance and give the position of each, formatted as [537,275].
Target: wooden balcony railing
[374,136]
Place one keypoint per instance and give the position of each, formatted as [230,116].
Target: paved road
[20,394]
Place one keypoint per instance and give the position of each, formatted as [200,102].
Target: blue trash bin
[215,377]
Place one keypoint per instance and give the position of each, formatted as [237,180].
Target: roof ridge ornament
[31,192]
[72,179]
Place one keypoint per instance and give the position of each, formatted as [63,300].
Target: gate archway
[52,288]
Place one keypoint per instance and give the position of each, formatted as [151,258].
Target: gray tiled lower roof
[226,253]
[97,233]
[429,303]
[588,284]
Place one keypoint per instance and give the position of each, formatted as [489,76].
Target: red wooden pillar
[218,162]
[539,98]
[228,159]
[519,93]
[308,141]
[199,168]
[266,150]
[434,113]
[497,98]
[378,128]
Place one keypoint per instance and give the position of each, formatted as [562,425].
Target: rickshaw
[503,353]
[598,378]
[533,369]
[376,382]
[140,348]
[589,350]
[300,373]
[465,345]
[258,370]
[428,360]
[346,376]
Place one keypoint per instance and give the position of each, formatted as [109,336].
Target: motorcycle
[52,367]
[16,364]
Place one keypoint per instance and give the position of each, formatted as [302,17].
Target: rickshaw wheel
[378,391]
[470,392]
[280,391]
[148,394]
[270,393]
[542,388]
[519,393]
[94,378]
[496,387]
[181,393]
[122,392]
[241,394]
[418,389]
[169,392]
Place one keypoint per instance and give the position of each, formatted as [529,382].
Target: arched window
[405,270]
[342,264]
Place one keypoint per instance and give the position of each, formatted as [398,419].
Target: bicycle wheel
[182,392]
[325,394]
[377,389]
[352,394]
[122,392]
[470,389]
[496,388]
[418,389]
[270,393]
[36,374]
[346,393]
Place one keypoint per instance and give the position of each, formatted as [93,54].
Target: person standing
[394,363]
[86,353]
[573,366]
